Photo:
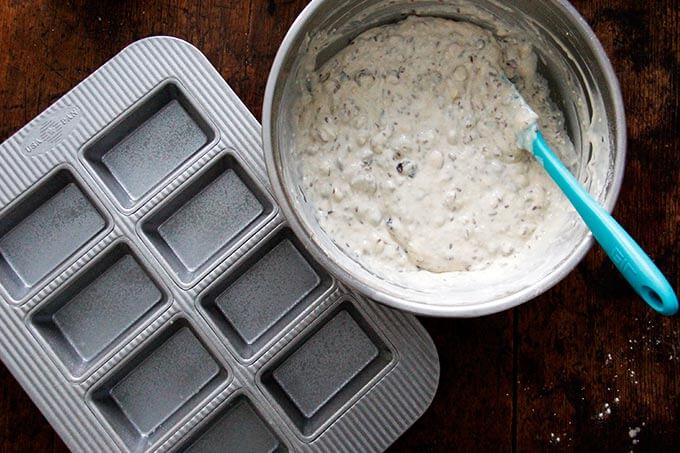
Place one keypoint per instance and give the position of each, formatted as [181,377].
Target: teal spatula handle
[629,258]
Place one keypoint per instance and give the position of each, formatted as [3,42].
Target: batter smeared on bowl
[407,143]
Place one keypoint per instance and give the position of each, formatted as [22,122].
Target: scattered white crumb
[605,412]
[555,438]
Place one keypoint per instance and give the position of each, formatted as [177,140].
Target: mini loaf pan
[153,296]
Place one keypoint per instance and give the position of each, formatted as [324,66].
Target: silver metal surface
[149,285]
[570,57]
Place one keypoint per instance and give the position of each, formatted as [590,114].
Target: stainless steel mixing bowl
[582,83]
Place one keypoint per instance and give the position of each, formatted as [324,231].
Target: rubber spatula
[635,265]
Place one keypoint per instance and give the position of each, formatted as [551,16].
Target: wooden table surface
[575,369]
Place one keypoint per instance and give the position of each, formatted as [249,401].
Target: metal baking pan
[152,297]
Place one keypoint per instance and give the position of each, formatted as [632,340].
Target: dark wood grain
[590,342]
[516,381]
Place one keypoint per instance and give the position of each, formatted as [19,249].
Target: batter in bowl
[407,146]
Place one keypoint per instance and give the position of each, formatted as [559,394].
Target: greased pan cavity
[153,297]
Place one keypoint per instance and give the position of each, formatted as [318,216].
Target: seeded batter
[407,142]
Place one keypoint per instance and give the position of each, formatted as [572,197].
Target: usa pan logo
[51,131]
